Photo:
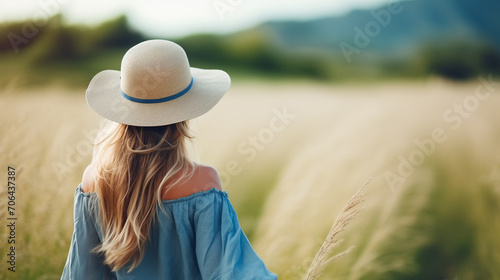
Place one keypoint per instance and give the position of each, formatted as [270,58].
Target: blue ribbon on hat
[159,100]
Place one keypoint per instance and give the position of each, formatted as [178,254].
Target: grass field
[290,156]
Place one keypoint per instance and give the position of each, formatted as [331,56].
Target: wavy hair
[134,167]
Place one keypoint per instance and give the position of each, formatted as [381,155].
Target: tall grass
[332,241]
[38,130]
[441,223]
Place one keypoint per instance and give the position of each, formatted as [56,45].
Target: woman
[143,209]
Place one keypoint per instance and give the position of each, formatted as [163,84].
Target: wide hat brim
[104,96]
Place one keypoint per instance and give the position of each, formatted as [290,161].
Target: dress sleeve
[81,263]
[223,251]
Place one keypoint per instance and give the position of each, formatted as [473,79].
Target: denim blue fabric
[198,237]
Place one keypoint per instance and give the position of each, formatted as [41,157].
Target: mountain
[456,39]
[398,28]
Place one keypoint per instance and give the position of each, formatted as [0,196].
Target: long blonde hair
[134,167]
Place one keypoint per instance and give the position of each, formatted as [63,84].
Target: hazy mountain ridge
[419,22]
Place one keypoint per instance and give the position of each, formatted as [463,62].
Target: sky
[168,18]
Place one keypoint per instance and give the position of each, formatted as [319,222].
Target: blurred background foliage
[56,52]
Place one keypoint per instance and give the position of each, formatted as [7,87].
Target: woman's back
[197,237]
[204,178]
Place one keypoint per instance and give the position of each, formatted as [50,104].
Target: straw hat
[156,86]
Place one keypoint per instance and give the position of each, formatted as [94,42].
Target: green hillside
[58,53]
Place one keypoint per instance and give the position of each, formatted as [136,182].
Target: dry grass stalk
[349,212]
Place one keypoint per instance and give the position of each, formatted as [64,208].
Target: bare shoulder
[207,177]
[204,178]
[88,179]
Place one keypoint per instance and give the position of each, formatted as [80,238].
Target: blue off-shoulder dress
[198,237]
